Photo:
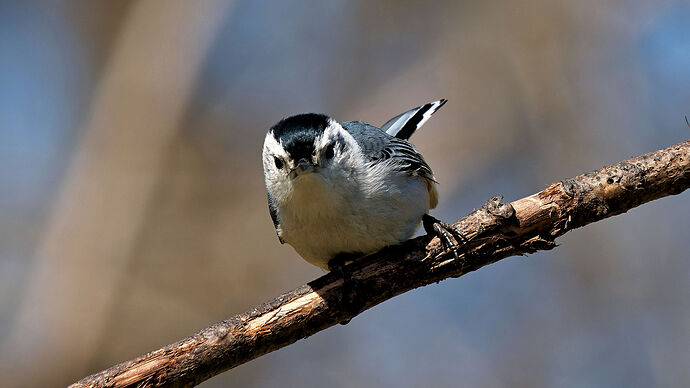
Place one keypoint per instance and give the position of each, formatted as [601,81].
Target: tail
[403,126]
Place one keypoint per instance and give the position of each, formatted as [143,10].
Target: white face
[332,157]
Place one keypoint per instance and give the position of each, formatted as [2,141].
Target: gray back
[380,147]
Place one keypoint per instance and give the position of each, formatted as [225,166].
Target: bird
[339,191]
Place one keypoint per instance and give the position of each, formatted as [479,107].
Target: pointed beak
[303,166]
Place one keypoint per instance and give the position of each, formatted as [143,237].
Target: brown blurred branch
[495,231]
[135,113]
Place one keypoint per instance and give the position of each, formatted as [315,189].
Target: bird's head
[308,147]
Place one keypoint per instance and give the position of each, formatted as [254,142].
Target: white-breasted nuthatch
[348,189]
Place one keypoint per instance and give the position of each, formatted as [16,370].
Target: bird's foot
[451,238]
[351,287]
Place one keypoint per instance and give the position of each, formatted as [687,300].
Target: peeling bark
[494,231]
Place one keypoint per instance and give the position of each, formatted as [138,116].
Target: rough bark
[495,231]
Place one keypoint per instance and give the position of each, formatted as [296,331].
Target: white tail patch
[404,125]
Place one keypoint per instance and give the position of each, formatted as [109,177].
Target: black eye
[329,151]
[278,162]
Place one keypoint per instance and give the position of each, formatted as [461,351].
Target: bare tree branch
[495,231]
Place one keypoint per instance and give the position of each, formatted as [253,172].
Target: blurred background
[133,211]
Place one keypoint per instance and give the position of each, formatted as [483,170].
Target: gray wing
[274,215]
[380,147]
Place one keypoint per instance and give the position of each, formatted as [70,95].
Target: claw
[451,239]
[350,284]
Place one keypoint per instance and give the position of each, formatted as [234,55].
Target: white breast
[321,219]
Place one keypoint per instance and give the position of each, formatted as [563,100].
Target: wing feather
[274,215]
[401,155]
